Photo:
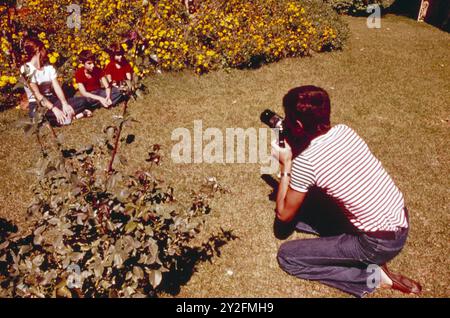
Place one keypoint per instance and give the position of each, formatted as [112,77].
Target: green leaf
[155,278]
[111,183]
[130,227]
[76,191]
[138,272]
[63,292]
[4,245]
[123,194]
[37,240]
[118,260]
[110,132]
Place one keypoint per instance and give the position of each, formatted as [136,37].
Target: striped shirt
[340,163]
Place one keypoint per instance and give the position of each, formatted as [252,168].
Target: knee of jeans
[289,261]
[282,255]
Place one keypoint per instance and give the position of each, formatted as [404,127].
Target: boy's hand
[60,117]
[46,103]
[68,110]
[104,102]
[283,155]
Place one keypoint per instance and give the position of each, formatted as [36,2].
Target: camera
[274,121]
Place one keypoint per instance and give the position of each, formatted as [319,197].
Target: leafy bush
[162,35]
[356,6]
[248,33]
[102,233]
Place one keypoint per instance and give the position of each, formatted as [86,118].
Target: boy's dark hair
[311,106]
[115,49]
[85,56]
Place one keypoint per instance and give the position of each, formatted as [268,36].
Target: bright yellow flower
[12,80]
[226,37]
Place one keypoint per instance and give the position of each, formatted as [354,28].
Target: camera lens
[271,119]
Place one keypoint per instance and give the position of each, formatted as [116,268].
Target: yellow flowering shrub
[237,33]
[162,35]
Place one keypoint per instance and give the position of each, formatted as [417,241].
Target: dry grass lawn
[391,85]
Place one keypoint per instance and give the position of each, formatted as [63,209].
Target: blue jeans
[116,97]
[341,261]
[78,104]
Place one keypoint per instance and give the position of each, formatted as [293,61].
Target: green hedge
[356,7]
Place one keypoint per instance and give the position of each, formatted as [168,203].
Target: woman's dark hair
[31,47]
[311,106]
[86,55]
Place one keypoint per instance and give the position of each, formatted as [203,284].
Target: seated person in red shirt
[89,79]
[118,72]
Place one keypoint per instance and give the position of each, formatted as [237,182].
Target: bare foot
[86,113]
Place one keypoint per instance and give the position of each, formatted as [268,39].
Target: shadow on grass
[190,257]
[177,276]
[319,214]
[438,13]
[6,228]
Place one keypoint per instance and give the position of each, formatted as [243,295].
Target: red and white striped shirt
[340,163]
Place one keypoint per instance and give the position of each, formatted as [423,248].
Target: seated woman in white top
[46,89]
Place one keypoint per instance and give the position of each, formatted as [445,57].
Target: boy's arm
[85,93]
[105,83]
[59,92]
[67,109]
[39,97]
[288,200]
[60,117]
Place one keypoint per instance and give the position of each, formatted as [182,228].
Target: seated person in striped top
[90,79]
[339,162]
